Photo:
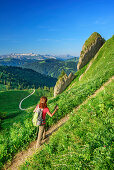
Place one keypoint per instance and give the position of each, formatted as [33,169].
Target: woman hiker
[43,105]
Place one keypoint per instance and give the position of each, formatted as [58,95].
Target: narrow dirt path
[97,91]
[90,63]
[22,156]
[24,99]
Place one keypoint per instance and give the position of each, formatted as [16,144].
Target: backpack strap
[41,110]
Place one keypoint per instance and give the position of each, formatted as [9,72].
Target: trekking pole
[54,109]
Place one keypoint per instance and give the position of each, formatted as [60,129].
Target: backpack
[37,117]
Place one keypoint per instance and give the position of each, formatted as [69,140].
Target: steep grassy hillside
[15,77]
[99,72]
[74,95]
[103,65]
[53,67]
[84,142]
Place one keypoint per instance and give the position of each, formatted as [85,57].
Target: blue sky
[53,26]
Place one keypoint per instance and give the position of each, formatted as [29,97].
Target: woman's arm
[35,108]
[51,114]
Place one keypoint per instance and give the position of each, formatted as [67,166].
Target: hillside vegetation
[86,140]
[16,130]
[20,78]
[53,67]
[14,61]
[21,132]
[2,87]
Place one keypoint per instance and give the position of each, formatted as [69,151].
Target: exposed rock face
[62,83]
[89,49]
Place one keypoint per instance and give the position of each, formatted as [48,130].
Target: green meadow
[84,142]
[82,138]
[14,121]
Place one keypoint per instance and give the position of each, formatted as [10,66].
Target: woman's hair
[43,102]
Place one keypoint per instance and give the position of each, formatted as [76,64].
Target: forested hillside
[15,61]
[53,67]
[20,78]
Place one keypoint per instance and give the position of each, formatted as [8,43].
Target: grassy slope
[102,67]
[100,71]
[9,100]
[84,142]
[88,149]
[66,101]
[9,103]
[15,131]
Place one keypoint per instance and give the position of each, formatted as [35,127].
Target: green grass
[84,142]
[102,67]
[2,87]
[100,71]
[21,125]
[9,100]
[16,130]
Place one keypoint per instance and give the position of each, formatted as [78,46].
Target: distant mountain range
[32,56]
[45,64]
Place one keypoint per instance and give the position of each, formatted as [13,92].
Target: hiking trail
[24,99]
[21,157]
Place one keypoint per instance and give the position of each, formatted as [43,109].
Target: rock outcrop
[62,83]
[89,49]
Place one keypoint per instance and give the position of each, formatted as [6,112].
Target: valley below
[80,134]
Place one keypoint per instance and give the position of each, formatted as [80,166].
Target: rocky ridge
[89,49]
[62,83]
